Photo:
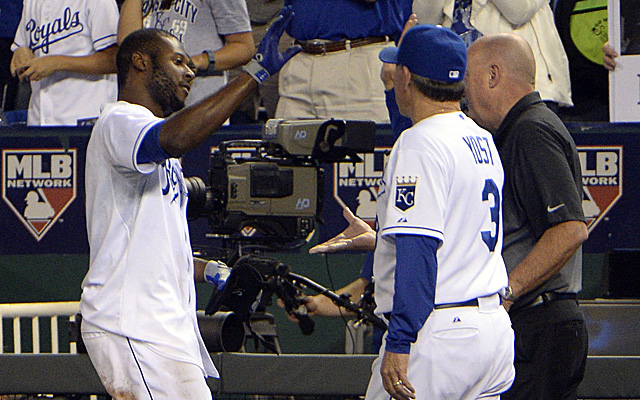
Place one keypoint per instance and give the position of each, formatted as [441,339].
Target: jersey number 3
[490,188]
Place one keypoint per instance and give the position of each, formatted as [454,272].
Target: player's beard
[164,91]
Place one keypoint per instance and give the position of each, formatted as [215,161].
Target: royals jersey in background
[443,179]
[70,28]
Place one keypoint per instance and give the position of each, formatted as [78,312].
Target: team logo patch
[601,180]
[38,185]
[405,192]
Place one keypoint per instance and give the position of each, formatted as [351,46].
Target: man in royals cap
[437,263]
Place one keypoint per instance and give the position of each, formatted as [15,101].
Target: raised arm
[238,49]
[190,127]
[130,18]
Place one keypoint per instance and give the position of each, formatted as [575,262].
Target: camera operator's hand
[357,236]
[268,60]
[310,302]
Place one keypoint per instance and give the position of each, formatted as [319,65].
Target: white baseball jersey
[140,282]
[70,28]
[443,179]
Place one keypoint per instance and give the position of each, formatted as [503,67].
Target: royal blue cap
[431,51]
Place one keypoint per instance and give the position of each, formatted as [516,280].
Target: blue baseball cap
[431,51]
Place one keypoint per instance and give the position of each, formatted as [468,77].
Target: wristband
[257,71]
[212,63]
[217,273]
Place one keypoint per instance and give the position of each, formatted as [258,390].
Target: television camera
[269,194]
[271,191]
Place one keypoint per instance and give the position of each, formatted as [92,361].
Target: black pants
[551,351]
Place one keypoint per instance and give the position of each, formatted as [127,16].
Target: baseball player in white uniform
[66,49]
[138,300]
[437,265]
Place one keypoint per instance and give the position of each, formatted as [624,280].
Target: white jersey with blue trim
[140,282]
[70,28]
[443,179]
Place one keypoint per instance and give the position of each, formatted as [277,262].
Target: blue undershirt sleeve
[398,121]
[150,150]
[414,290]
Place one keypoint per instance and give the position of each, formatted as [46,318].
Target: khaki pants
[343,85]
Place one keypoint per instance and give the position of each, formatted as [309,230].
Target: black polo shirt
[542,186]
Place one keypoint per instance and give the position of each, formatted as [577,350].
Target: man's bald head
[509,50]
[501,69]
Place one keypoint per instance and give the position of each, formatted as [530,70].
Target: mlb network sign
[356,185]
[38,185]
[601,180]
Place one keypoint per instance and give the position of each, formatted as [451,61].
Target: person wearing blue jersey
[336,74]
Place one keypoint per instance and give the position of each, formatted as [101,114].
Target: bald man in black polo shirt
[544,225]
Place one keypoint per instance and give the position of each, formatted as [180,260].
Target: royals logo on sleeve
[38,185]
[405,192]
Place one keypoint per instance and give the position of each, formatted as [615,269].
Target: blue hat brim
[389,55]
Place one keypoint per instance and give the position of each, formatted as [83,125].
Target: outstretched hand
[268,60]
[357,236]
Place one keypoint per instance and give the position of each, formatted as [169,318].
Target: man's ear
[140,61]
[406,76]
[494,75]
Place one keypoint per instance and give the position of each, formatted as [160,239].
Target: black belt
[550,297]
[324,47]
[468,303]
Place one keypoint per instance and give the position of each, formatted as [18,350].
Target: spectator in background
[583,29]
[66,50]
[630,30]
[261,104]
[10,11]
[358,235]
[336,74]
[216,34]
[532,20]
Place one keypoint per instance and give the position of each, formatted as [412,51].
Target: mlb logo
[38,185]
[405,192]
[602,172]
[357,185]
